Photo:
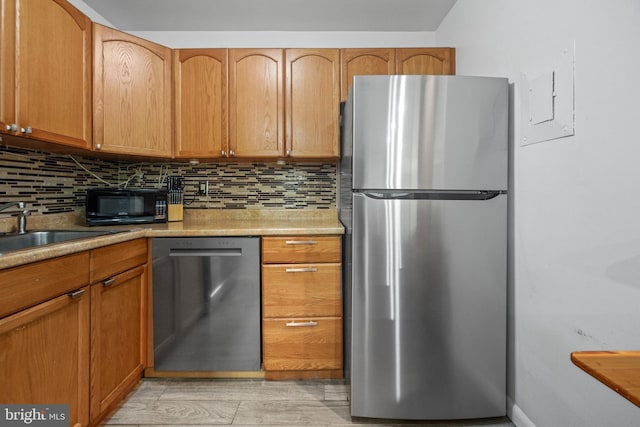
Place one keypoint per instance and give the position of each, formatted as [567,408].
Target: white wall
[293,39]
[575,279]
[272,39]
[92,14]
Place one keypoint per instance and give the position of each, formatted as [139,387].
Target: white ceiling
[273,15]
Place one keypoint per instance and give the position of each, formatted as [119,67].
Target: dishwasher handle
[210,252]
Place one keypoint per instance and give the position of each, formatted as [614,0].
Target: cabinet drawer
[28,285]
[295,249]
[113,259]
[302,344]
[291,290]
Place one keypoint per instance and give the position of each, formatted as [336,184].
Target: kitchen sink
[15,242]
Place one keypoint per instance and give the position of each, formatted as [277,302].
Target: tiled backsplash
[54,183]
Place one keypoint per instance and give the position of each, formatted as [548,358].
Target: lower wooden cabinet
[63,341]
[301,290]
[302,344]
[302,307]
[44,355]
[118,324]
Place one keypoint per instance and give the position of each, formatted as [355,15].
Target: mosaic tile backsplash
[55,183]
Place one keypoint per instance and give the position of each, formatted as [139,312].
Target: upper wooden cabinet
[132,95]
[256,103]
[364,62]
[426,61]
[388,61]
[200,95]
[45,72]
[312,103]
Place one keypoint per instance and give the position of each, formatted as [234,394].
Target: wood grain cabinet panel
[364,62]
[27,285]
[118,338]
[63,341]
[200,95]
[301,307]
[425,61]
[44,354]
[390,61]
[301,249]
[113,259]
[256,103]
[7,65]
[118,323]
[301,290]
[312,103]
[45,72]
[302,344]
[132,95]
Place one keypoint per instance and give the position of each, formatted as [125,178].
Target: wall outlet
[203,188]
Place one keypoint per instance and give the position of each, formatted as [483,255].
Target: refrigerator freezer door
[429,132]
[428,308]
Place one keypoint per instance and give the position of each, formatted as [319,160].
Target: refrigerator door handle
[434,195]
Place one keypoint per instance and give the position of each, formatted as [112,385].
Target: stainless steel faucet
[22,216]
[4,206]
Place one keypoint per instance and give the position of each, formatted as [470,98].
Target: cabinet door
[200,77]
[46,56]
[132,95]
[312,110]
[44,354]
[426,61]
[256,103]
[118,337]
[364,62]
[7,64]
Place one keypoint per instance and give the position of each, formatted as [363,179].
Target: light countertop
[197,222]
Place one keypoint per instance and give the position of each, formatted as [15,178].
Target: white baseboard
[517,416]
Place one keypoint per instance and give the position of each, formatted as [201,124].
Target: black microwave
[110,206]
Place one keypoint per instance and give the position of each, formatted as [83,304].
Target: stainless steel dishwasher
[206,303]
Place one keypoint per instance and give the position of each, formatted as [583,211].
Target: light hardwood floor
[249,403]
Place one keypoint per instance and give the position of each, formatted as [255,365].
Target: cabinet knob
[224,153]
[288,153]
[98,146]
[13,127]
[26,130]
[232,153]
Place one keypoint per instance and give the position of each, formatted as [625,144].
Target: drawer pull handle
[301,242]
[301,270]
[299,324]
[76,294]
[109,282]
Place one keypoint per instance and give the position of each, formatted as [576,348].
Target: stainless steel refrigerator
[423,197]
